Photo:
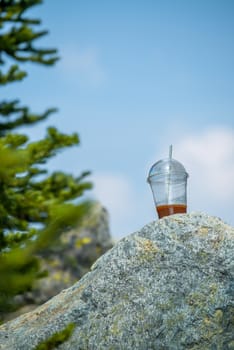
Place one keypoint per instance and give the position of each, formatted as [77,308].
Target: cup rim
[184,175]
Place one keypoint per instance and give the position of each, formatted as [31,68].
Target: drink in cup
[168,181]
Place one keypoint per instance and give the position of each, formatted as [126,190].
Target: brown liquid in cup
[169,209]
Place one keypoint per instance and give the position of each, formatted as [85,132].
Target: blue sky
[135,77]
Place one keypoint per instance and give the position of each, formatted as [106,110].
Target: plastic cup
[168,181]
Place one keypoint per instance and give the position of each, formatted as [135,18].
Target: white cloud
[115,192]
[208,157]
[83,65]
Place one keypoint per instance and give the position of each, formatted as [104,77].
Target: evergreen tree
[35,207]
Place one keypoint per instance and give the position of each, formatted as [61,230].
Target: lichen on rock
[168,286]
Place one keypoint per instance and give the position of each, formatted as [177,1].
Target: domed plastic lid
[167,166]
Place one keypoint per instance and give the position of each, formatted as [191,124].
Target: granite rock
[68,260]
[168,286]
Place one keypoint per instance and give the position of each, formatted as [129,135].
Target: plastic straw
[169,177]
[170,152]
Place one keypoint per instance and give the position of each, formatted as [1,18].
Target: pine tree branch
[13,74]
[19,40]
[20,20]
[17,8]
[21,114]
[54,141]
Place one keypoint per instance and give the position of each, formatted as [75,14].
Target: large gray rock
[68,261]
[168,286]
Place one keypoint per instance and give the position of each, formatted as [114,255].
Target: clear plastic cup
[168,181]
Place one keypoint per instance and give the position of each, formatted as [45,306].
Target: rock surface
[166,287]
[67,262]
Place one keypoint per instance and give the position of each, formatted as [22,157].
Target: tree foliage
[35,206]
[57,339]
